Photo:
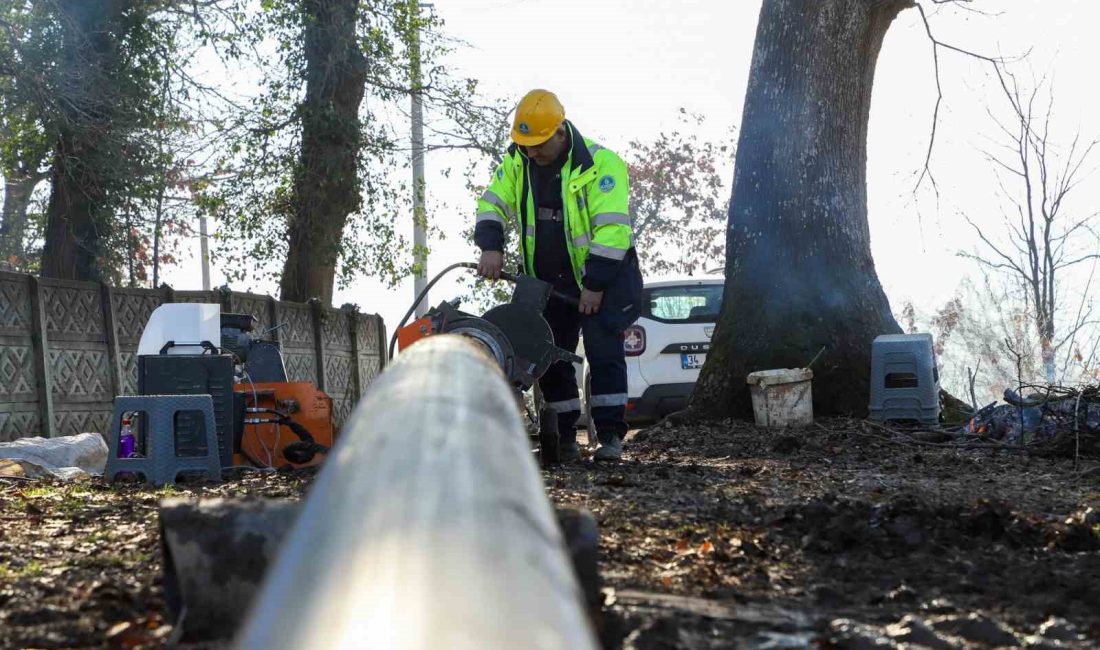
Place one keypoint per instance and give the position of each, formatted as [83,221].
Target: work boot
[610,451]
[569,452]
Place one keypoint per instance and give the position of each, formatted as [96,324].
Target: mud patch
[899,526]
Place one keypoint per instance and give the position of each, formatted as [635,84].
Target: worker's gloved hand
[590,301]
[491,264]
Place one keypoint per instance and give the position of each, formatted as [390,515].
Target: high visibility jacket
[596,205]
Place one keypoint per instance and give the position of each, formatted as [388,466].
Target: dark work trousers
[603,347]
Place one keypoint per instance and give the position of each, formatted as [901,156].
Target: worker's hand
[491,264]
[590,301]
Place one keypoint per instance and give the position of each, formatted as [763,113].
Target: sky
[624,68]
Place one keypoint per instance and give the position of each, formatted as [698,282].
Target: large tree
[102,91]
[326,183]
[100,94]
[23,145]
[306,185]
[799,273]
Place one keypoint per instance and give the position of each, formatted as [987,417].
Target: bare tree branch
[926,171]
[1042,247]
[1008,261]
[1078,260]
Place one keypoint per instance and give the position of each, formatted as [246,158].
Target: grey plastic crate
[161,464]
[905,382]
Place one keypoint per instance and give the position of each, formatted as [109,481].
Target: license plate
[692,361]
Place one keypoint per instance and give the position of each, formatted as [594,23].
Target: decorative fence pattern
[67,348]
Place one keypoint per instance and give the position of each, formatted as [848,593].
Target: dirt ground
[832,536]
[712,536]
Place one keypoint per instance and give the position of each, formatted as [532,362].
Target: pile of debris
[1055,418]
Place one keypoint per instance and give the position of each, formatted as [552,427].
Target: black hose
[300,452]
[420,296]
[510,277]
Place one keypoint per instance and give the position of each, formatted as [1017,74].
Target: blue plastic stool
[161,465]
[905,383]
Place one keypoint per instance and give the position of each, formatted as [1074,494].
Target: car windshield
[693,303]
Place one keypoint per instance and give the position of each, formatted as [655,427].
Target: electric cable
[259,437]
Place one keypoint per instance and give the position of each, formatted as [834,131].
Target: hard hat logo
[538,116]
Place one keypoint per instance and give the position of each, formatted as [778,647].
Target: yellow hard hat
[538,115]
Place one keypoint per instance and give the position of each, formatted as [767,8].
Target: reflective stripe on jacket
[596,201]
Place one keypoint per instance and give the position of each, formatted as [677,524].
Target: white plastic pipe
[429,526]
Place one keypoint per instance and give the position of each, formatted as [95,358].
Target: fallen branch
[907,440]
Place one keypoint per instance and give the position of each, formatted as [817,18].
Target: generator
[282,422]
[196,374]
[262,419]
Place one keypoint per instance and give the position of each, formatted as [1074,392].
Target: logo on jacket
[607,184]
[709,331]
[500,173]
[523,128]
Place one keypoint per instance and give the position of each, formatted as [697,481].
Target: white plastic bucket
[782,398]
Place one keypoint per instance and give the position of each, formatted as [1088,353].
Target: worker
[567,198]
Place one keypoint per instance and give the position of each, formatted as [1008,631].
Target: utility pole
[420,216]
[204,249]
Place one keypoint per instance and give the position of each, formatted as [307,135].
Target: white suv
[667,345]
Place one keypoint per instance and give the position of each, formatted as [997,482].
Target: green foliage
[23,141]
[179,143]
[116,76]
[24,146]
[11,572]
[252,194]
[83,76]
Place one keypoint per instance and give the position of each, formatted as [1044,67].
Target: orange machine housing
[413,332]
[303,402]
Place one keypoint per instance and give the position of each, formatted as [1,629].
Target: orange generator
[278,423]
[273,410]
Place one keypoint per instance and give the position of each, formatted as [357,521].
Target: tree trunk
[18,189]
[799,274]
[326,183]
[78,222]
[74,242]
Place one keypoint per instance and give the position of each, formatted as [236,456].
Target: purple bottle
[126,439]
